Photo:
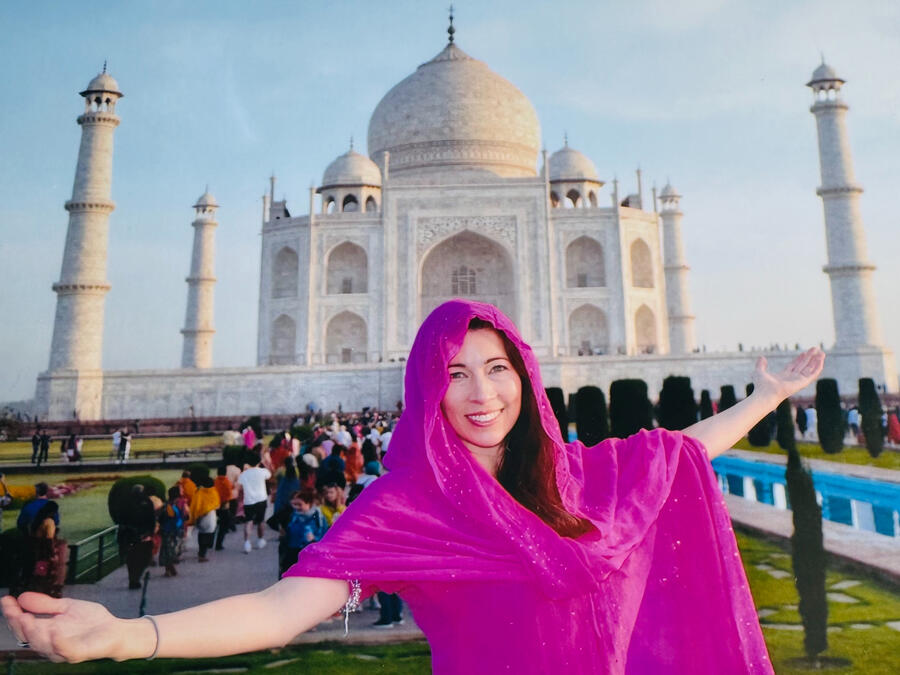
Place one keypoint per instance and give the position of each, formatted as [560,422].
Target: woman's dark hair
[527,470]
[369,451]
[308,495]
[174,493]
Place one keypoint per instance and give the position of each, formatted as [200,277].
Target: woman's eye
[458,375]
[498,367]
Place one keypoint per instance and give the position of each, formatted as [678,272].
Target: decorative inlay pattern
[432,229]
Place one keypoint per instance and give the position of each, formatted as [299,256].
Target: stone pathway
[229,572]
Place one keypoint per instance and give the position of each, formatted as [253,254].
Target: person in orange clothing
[227,493]
[188,486]
[204,506]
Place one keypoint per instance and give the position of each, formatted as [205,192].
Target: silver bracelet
[152,620]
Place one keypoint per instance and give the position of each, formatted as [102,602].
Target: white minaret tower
[198,322]
[78,327]
[853,301]
[682,339]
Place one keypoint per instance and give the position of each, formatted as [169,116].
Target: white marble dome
[206,199]
[103,82]
[569,164]
[669,191]
[823,75]
[351,168]
[455,113]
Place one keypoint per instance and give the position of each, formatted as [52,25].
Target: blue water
[868,505]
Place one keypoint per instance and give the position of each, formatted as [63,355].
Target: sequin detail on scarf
[353,603]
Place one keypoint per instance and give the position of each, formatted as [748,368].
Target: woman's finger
[38,603]
[13,614]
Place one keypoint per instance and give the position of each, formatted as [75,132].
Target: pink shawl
[662,570]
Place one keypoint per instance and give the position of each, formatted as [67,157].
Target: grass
[888,459]
[101,448]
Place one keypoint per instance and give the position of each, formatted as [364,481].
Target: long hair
[527,470]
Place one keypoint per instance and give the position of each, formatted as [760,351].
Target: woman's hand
[798,374]
[74,630]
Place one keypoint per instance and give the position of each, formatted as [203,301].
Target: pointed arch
[573,199]
[467,264]
[350,204]
[286,274]
[347,269]
[282,349]
[585,263]
[554,200]
[371,205]
[588,331]
[346,339]
[641,264]
[645,330]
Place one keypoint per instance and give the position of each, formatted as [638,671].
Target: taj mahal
[454,197]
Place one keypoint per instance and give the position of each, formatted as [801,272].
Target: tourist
[73,448]
[44,454]
[812,431]
[171,523]
[5,498]
[135,535]
[204,505]
[335,461]
[331,494]
[354,463]
[227,494]
[124,449]
[288,484]
[188,486]
[35,445]
[299,523]
[44,555]
[116,439]
[33,507]
[516,551]
[255,497]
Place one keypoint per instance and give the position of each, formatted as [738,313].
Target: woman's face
[484,397]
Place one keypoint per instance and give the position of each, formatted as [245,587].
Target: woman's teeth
[486,417]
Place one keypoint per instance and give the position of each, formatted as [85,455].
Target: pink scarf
[663,559]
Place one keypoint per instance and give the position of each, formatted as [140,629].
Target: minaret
[682,339]
[853,301]
[80,292]
[198,321]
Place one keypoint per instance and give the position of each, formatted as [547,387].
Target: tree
[761,434]
[727,397]
[630,409]
[807,548]
[558,405]
[870,410]
[830,421]
[677,407]
[591,423]
[706,409]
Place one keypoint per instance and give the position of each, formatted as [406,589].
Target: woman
[171,522]
[203,515]
[299,522]
[516,552]
[44,568]
[135,534]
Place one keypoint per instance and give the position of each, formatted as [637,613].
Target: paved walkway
[229,572]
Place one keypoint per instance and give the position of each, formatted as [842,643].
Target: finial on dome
[451,30]
[566,138]
[104,65]
[351,142]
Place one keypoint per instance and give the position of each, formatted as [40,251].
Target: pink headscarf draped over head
[658,515]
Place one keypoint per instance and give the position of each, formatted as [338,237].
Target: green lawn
[888,459]
[101,448]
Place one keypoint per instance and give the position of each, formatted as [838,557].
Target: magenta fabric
[658,586]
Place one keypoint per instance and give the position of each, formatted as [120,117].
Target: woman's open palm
[62,629]
[797,375]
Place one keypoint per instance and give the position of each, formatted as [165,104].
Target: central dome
[455,114]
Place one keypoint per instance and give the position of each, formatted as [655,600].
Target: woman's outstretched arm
[76,630]
[720,432]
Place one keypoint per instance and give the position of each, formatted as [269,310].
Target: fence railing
[94,557]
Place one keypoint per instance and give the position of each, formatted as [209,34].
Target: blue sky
[709,93]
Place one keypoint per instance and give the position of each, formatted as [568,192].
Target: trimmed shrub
[807,548]
[784,421]
[727,397]
[10,428]
[302,432]
[558,405]
[118,494]
[830,421]
[706,408]
[760,435]
[801,419]
[870,411]
[591,425]
[677,407]
[630,409]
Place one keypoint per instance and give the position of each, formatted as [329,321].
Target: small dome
[569,164]
[352,168]
[206,199]
[669,191]
[824,73]
[103,82]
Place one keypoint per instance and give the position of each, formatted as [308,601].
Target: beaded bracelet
[152,620]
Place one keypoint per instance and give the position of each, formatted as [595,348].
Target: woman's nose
[483,389]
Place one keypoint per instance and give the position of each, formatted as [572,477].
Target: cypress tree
[830,421]
[761,434]
[591,424]
[727,397]
[630,409]
[706,409]
[558,405]
[801,419]
[807,548]
[677,407]
[784,421]
[870,411]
